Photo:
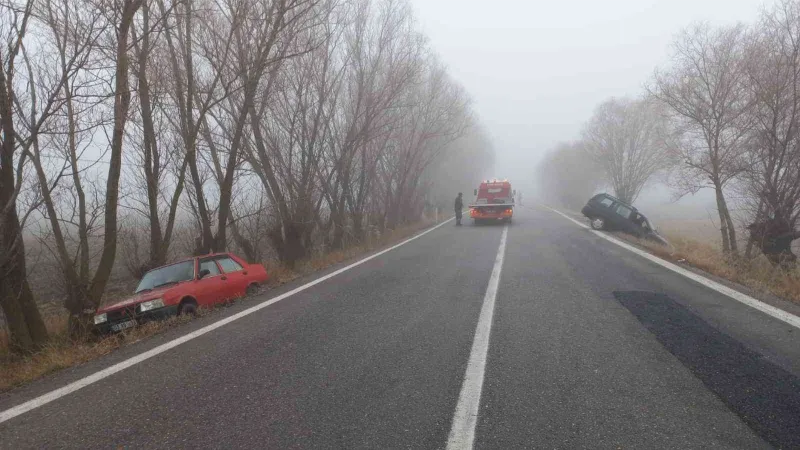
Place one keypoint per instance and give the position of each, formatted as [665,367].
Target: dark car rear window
[624,211]
[602,200]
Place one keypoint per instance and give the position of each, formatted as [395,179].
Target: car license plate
[123,325]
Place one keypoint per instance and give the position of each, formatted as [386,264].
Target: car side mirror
[204,273]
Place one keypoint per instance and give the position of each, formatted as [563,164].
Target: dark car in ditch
[606,212]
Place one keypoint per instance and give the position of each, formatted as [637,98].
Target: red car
[182,287]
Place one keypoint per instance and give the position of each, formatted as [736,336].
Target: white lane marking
[770,310]
[462,432]
[97,376]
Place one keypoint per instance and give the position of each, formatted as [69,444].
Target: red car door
[235,274]
[210,289]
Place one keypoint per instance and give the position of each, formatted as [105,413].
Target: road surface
[589,346]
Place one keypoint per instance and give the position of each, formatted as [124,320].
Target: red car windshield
[175,273]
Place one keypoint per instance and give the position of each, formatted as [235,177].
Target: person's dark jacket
[459,204]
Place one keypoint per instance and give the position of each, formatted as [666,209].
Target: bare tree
[773,178]
[626,139]
[286,138]
[306,121]
[76,33]
[199,53]
[26,328]
[158,156]
[464,162]
[566,177]
[705,91]
[437,115]
[384,59]
[65,24]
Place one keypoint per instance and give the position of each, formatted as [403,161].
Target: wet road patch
[764,395]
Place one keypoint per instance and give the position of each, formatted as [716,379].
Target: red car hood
[138,298]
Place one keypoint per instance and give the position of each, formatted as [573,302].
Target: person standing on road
[459,206]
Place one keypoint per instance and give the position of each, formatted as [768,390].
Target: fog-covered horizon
[536,70]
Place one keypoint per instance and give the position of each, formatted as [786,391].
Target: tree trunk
[184,95]
[25,325]
[250,252]
[748,253]
[27,331]
[731,232]
[288,240]
[122,100]
[338,218]
[722,209]
[74,281]
[337,243]
[20,336]
[157,253]
[358,226]
[729,226]
[295,248]
[83,228]
[774,237]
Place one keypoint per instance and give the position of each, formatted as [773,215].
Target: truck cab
[494,201]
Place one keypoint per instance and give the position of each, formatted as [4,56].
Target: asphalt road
[591,346]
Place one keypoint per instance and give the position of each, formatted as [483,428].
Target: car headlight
[100,318]
[152,304]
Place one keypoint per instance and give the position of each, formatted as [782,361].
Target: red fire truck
[494,201]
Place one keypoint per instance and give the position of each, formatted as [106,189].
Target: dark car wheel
[187,308]
[252,290]
[597,223]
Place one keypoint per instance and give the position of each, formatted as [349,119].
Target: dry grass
[62,352]
[697,230]
[696,243]
[757,274]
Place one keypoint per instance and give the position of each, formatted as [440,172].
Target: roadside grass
[694,244]
[62,352]
[757,274]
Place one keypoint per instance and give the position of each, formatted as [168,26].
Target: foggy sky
[536,69]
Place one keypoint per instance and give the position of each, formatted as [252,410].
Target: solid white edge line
[770,310]
[465,419]
[120,366]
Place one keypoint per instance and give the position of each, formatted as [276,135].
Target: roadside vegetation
[63,350]
[293,133]
[722,114]
[758,274]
